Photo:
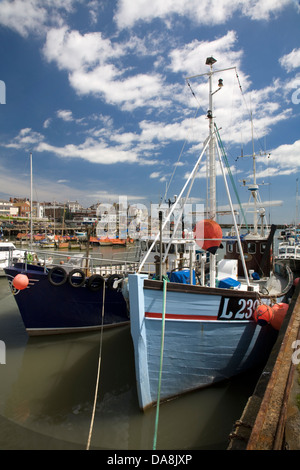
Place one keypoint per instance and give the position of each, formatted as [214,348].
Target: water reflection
[47,391]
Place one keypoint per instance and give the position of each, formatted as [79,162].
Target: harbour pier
[271,418]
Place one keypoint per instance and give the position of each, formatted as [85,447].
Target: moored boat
[289,254]
[75,295]
[8,254]
[202,327]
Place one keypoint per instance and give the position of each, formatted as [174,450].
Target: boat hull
[205,341]
[293,263]
[49,309]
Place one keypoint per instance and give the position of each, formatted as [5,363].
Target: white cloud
[22,16]
[47,123]
[128,93]
[186,58]
[73,51]
[43,188]
[89,59]
[290,61]
[33,16]
[114,197]
[36,16]
[154,175]
[27,138]
[207,12]
[92,151]
[263,9]
[65,114]
[202,172]
[287,156]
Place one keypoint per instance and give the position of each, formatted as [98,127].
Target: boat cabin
[178,254]
[287,250]
[256,254]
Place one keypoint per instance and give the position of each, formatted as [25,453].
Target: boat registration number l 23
[236,308]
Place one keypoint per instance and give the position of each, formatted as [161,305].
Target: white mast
[31,201]
[254,188]
[212,158]
[212,168]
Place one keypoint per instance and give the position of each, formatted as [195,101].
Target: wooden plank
[266,428]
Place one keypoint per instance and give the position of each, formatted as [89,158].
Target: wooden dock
[271,418]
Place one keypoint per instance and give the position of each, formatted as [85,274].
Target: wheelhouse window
[172,249]
[251,248]
[180,248]
[263,247]
[229,248]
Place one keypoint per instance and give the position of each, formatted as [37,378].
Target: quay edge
[271,417]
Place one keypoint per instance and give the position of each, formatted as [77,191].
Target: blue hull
[205,341]
[50,309]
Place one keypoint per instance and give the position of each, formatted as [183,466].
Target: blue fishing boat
[200,324]
[58,299]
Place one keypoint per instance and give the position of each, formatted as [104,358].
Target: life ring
[95,282]
[111,280]
[57,271]
[78,281]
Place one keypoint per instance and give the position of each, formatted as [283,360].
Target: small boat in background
[81,235]
[8,254]
[289,255]
[108,241]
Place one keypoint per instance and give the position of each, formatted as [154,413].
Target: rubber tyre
[95,282]
[76,284]
[111,279]
[57,270]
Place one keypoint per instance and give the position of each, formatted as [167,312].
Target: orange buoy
[279,312]
[20,281]
[263,314]
[208,235]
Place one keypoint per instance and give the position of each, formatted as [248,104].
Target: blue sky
[96,90]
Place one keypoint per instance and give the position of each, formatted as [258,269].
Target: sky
[97,91]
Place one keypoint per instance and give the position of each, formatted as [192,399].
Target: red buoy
[279,312]
[20,281]
[263,314]
[208,235]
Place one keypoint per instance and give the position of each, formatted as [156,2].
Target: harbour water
[47,388]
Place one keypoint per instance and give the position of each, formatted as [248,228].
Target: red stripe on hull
[172,316]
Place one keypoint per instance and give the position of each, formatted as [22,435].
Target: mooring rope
[98,372]
[161,360]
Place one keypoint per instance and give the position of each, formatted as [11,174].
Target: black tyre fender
[57,270]
[76,283]
[111,280]
[95,282]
